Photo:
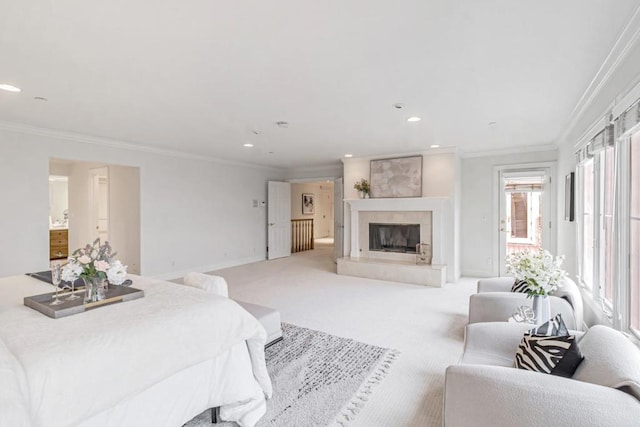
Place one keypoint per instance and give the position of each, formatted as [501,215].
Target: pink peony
[84,259]
[102,266]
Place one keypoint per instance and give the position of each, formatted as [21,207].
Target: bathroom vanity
[58,243]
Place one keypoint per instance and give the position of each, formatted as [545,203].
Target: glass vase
[541,308]
[94,289]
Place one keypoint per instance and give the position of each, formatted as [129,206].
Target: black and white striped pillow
[552,327]
[520,286]
[555,355]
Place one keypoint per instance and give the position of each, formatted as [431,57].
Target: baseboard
[206,268]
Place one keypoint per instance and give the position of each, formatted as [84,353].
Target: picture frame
[396,177]
[308,204]
[569,197]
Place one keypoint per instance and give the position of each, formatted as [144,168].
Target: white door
[338,220]
[325,224]
[278,220]
[524,212]
[99,204]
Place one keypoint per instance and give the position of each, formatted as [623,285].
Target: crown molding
[621,48]
[507,151]
[426,152]
[113,143]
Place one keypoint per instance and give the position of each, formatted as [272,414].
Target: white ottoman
[268,317]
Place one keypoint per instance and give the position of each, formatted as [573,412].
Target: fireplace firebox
[401,238]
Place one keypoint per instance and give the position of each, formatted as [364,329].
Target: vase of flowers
[542,273]
[363,188]
[97,266]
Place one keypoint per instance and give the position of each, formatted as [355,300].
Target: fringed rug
[318,379]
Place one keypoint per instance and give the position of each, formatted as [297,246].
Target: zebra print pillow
[520,286]
[552,327]
[555,355]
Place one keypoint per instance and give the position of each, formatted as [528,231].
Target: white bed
[156,361]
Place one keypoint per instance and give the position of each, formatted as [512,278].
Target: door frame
[497,192]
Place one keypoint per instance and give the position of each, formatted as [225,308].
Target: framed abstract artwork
[308,203]
[398,177]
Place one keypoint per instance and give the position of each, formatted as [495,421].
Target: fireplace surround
[434,216]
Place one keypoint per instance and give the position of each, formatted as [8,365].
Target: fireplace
[434,219]
[401,238]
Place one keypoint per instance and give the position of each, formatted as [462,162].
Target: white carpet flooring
[426,324]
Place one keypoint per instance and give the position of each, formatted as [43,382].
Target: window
[588,200]
[634,241]
[607,248]
[608,215]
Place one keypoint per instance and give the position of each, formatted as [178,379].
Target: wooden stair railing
[301,235]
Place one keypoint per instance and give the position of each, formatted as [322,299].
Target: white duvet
[79,366]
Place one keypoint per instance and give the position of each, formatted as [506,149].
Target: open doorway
[312,215]
[98,201]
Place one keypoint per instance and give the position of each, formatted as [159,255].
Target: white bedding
[91,366]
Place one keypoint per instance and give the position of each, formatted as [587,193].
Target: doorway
[102,200]
[525,212]
[312,214]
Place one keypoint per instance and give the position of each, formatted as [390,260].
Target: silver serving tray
[114,295]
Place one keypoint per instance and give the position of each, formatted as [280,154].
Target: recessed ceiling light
[40,98]
[414,119]
[248,145]
[434,146]
[9,88]
[398,106]
[348,156]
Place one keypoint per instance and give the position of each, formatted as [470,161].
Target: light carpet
[318,379]
[425,324]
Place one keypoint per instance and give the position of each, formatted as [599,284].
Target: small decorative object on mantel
[423,253]
[542,273]
[95,264]
[363,188]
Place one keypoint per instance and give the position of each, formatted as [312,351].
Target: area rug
[318,379]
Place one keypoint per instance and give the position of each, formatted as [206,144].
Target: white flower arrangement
[95,261]
[541,270]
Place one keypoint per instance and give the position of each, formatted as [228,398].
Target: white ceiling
[199,76]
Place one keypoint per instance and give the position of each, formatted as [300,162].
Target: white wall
[323,216]
[316,173]
[195,214]
[479,238]
[438,174]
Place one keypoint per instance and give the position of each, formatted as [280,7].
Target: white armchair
[485,390]
[495,302]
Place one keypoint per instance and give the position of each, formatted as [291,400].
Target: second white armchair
[495,302]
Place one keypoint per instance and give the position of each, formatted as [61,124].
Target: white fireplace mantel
[441,220]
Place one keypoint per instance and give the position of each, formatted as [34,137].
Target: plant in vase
[363,188]
[542,273]
[94,264]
